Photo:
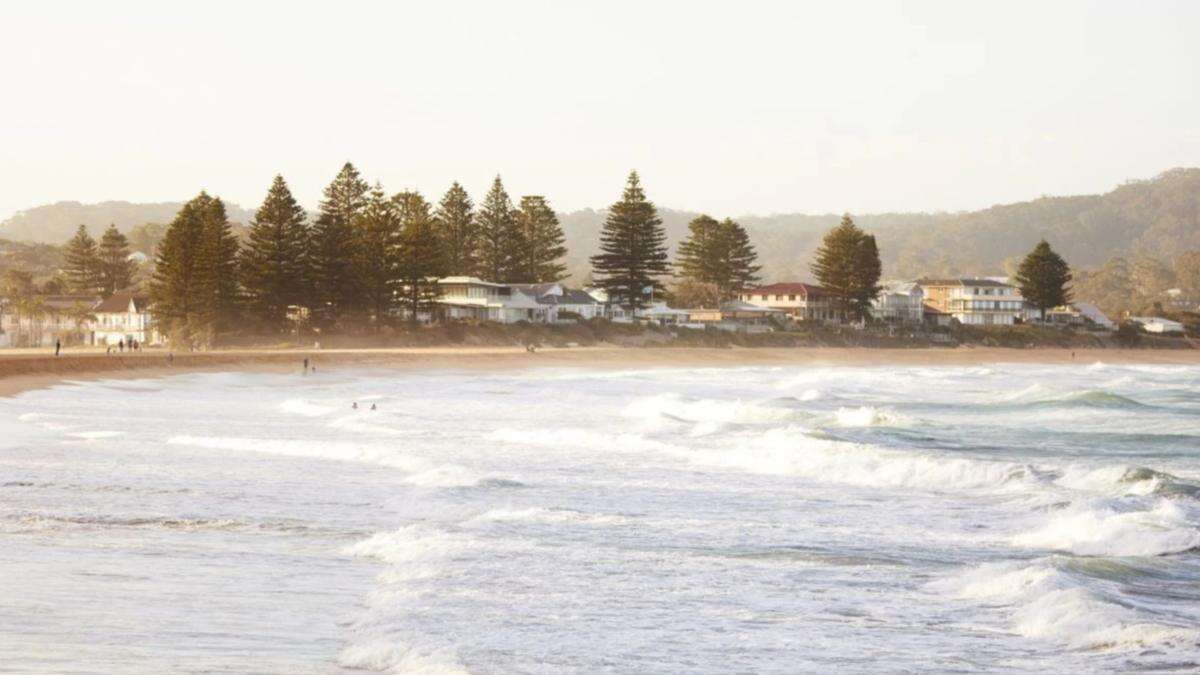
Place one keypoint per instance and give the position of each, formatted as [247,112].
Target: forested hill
[1157,218]
[56,223]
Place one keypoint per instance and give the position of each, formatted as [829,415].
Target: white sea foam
[868,416]
[339,451]
[580,438]
[386,655]
[1048,604]
[546,516]
[1169,527]
[794,451]
[96,435]
[299,406]
[706,410]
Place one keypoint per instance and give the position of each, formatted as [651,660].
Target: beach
[593,509]
[22,370]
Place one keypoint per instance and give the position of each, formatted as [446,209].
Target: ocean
[1007,517]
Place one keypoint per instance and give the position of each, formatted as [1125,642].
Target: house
[123,317]
[475,299]
[659,313]
[1080,314]
[899,302]
[46,319]
[975,302]
[1156,324]
[800,302]
[563,303]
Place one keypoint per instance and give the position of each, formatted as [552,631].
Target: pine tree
[377,231]
[847,267]
[633,249]
[458,231]
[542,236]
[499,244]
[216,274]
[867,271]
[718,254]
[82,262]
[115,267]
[1043,277]
[194,288]
[742,259]
[275,262]
[422,259]
[334,280]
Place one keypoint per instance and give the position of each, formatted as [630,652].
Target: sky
[722,107]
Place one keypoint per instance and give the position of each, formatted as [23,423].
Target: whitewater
[1014,517]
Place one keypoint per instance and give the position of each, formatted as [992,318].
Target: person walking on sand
[306,365]
[57,346]
[372,406]
[121,345]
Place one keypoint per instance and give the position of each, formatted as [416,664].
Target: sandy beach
[22,370]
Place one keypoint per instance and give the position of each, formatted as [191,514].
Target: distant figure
[372,406]
[121,345]
[57,346]
[1072,355]
[306,365]
[170,358]
[531,348]
[354,405]
[108,350]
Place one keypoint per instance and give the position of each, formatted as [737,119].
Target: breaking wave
[1047,603]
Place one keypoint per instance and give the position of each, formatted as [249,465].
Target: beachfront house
[562,303]
[798,301]
[41,321]
[123,317]
[1157,324]
[899,302]
[974,301]
[478,300]
[1083,314]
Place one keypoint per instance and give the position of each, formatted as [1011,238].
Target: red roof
[118,303]
[786,289]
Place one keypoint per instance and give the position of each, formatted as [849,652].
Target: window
[792,297]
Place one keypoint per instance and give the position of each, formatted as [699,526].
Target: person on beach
[372,406]
[306,365]
[354,405]
[121,345]
[170,358]
[108,350]
[57,346]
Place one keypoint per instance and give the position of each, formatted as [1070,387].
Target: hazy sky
[726,107]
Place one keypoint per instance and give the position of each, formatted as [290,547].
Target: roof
[739,306]
[573,296]
[1154,319]
[967,281]
[476,281]
[118,303]
[53,302]
[787,288]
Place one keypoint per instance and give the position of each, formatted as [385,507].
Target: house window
[791,297]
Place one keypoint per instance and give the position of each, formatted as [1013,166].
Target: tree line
[366,257]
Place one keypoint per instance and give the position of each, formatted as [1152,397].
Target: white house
[1155,324]
[50,318]
[124,317]
[563,303]
[975,302]
[899,302]
[474,298]
[1081,313]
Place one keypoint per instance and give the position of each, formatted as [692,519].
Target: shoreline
[21,372]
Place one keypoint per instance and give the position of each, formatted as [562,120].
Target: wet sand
[22,370]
